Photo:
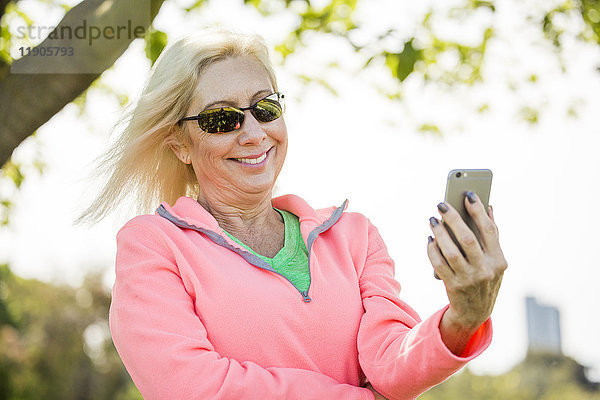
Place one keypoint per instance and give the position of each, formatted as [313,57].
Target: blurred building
[543,328]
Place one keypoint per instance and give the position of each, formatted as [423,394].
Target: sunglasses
[229,119]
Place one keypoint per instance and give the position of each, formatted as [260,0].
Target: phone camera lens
[458,174]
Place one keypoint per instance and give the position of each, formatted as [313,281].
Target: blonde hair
[140,163]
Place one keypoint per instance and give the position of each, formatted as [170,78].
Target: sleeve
[401,355]
[165,346]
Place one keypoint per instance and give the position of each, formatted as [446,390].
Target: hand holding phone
[472,279]
[461,181]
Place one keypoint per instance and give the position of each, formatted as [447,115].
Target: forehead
[234,80]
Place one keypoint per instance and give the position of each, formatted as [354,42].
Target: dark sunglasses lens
[220,120]
[267,110]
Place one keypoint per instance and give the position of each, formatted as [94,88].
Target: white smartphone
[461,181]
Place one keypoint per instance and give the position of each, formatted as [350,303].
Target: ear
[180,147]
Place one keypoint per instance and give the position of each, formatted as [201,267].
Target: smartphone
[460,181]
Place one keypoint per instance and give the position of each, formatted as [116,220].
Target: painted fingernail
[436,276]
[471,196]
[433,221]
[442,207]
[429,239]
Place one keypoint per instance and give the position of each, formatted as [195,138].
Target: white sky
[363,147]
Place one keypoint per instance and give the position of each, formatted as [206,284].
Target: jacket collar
[192,213]
[189,214]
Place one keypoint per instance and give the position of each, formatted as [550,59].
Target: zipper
[304,294]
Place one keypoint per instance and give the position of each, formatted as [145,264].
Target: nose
[251,131]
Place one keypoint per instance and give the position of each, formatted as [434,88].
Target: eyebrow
[256,95]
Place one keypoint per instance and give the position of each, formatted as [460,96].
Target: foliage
[54,342]
[538,377]
[332,18]
[155,43]
[336,17]
[590,11]
[402,64]
[417,53]
[422,52]
[586,10]
[12,171]
[12,176]
[424,58]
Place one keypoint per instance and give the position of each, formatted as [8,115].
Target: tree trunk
[29,100]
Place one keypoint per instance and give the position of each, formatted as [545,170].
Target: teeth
[252,160]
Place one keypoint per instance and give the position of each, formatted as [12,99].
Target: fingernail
[471,196]
[436,276]
[433,221]
[442,207]
[429,239]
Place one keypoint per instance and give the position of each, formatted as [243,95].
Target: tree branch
[27,101]
[3,4]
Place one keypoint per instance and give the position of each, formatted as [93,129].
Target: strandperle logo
[80,41]
[82,32]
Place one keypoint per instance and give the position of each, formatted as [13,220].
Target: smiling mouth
[257,160]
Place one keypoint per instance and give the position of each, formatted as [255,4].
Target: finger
[448,248]
[441,269]
[462,232]
[486,225]
[435,275]
[494,249]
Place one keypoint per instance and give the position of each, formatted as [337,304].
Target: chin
[257,186]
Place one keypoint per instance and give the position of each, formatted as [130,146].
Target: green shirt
[292,260]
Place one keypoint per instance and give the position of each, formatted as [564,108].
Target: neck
[240,217]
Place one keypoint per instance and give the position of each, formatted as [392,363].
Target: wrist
[460,322]
[456,332]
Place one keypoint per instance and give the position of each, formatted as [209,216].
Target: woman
[228,293]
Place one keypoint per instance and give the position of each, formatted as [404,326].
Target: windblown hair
[140,163]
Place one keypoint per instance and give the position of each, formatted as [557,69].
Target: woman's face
[225,163]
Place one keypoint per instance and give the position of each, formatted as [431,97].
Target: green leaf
[289,45]
[530,115]
[80,100]
[485,4]
[12,170]
[310,79]
[590,11]
[197,4]
[5,208]
[155,43]
[403,64]
[430,128]
[39,165]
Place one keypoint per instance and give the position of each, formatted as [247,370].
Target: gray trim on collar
[335,216]
[215,237]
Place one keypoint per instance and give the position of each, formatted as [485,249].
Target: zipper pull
[305,297]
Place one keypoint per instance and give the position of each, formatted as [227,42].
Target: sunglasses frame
[252,108]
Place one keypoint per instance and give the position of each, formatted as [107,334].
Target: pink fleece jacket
[193,316]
